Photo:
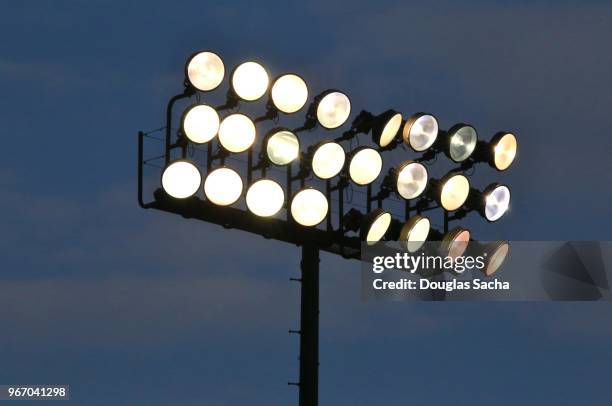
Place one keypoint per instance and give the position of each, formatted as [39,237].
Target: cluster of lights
[288,93]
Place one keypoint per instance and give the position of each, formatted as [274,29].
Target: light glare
[201,123]
[223,186]
[205,71]
[282,147]
[236,133]
[365,166]
[309,207]
[289,93]
[265,198]
[181,179]
[250,81]
[328,160]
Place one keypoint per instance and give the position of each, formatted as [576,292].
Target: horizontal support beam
[271,228]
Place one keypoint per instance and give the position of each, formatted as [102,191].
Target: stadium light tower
[291,186]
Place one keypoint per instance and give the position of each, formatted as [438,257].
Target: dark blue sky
[135,307]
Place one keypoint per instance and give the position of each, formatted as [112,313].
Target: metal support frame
[312,240]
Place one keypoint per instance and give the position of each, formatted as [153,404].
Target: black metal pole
[309,327]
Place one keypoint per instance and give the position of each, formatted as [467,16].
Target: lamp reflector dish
[497,202]
[333,110]
[181,179]
[265,198]
[328,160]
[282,147]
[365,166]
[420,132]
[250,81]
[223,186]
[205,71]
[414,233]
[201,123]
[462,143]
[504,152]
[309,207]
[411,179]
[455,191]
[236,133]
[289,93]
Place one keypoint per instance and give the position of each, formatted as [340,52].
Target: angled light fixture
[372,226]
[492,203]
[411,179]
[455,242]
[420,131]
[329,109]
[383,127]
[499,153]
[414,233]
[460,142]
[451,191]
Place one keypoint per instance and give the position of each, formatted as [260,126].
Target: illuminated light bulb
[374,226]
[250,81]
[414,233]
[205,70]
[455,191]
[411,179]
[365,166]
[181,179]
[309,207]
[504,150]
[462,142]
[265,198]
[420,131]
[333,110]
[497,201]
[200,123]
[497,253]
[236,133]
[289,93]
[223,186]
[283,147]
[328,160]
[455,242]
